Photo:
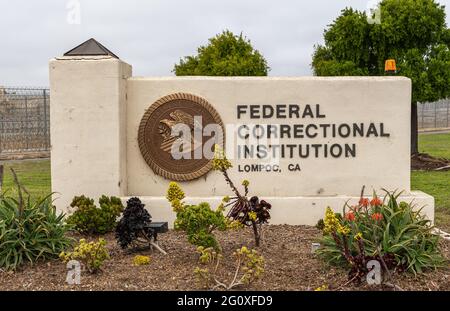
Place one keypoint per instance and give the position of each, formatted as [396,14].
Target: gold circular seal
[172,136]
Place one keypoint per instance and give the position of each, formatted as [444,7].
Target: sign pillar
[88,126]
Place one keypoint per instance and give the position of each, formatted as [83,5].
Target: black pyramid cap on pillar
[90,47]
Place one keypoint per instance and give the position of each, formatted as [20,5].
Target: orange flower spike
[376,202]
[350,216]
[377,216]
[364,202]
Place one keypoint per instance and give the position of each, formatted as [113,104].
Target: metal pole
[1,177]
[47,140]
[423,115]
[26,122]
[2,132]
[435,115]
[448,112]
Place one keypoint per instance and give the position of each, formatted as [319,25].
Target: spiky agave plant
[30,229]
[392,232]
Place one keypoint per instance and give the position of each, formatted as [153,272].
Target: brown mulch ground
[287,251]
[425,162]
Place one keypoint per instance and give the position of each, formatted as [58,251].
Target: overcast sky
[152,35]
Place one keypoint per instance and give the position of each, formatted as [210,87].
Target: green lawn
[436,184]
[437,145]
[33,175]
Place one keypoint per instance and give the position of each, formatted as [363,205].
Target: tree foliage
[413,32]
[226,55]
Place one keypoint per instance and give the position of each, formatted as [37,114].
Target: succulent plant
[134,230]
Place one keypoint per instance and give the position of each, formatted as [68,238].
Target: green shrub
[388,231]
[30,230]
[198,221]
[87,218]
[320,224]
[91,254]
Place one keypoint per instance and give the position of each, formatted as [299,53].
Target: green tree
[413,32]
[225,55]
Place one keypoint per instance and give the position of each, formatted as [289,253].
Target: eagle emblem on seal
[171,133]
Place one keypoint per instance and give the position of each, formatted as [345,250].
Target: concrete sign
[304,143]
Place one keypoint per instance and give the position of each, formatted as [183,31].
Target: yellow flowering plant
[91,254]
[175,196]
[249,268]
[234,224]
[140,260]
[321,288]
[198,221]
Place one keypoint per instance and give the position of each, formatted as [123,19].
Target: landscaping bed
[434,153]
[425,162]
[289,265]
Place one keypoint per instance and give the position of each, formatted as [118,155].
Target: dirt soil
[290,265]
[425,162]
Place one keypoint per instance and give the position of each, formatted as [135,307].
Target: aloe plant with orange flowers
[392,232]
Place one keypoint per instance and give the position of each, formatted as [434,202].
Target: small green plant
[249,268]
[91,254]
[198,221]
[320,224]
[89,219]
[30,229]
[249,212]
[393,233]
[140,260]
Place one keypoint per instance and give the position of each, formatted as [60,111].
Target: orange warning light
[390,66]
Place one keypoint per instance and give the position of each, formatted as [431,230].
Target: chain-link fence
[24,120]
[434,115]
